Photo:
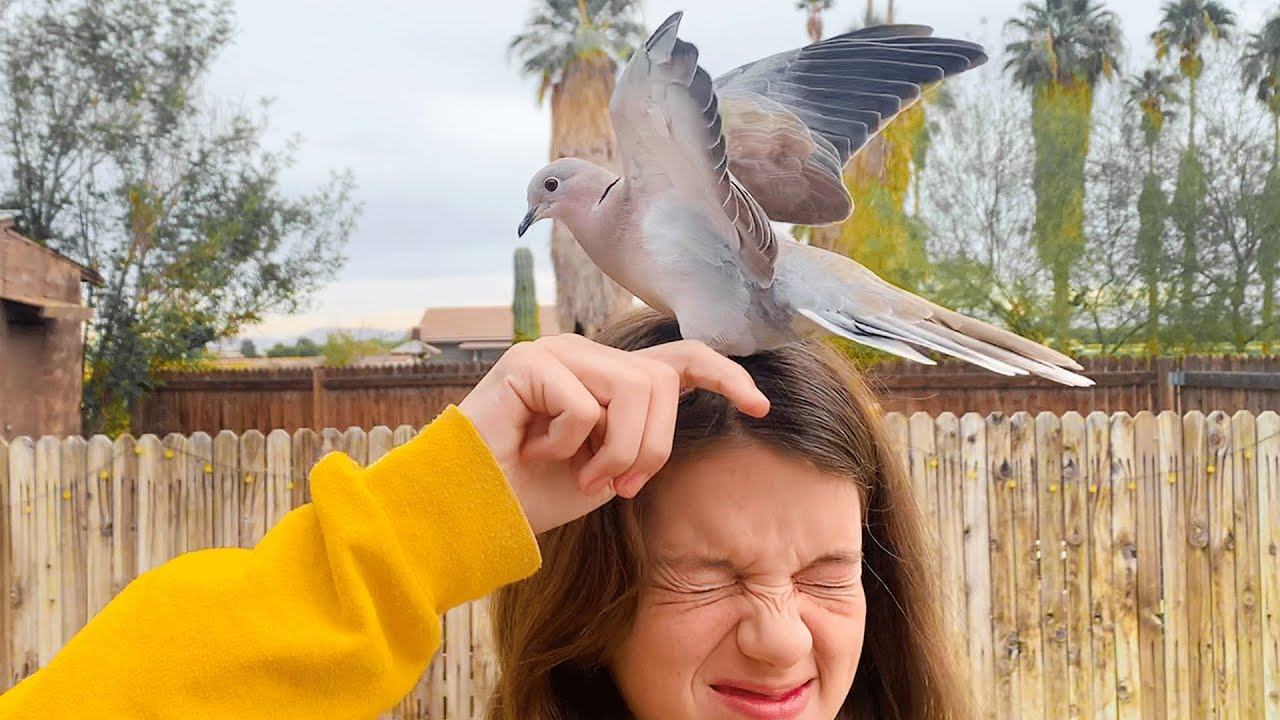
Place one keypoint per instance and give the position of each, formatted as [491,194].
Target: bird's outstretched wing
[666,117]
[792,120]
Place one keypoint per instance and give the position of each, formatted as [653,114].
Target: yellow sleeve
[335,613]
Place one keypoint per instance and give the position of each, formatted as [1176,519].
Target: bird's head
[564,190]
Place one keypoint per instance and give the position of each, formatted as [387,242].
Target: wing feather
[842,91]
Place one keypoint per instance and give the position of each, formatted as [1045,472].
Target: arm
[335,613]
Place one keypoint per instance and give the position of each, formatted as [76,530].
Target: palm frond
[556,34]
[1062,42]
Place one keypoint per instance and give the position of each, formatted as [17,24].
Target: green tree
[1185,27]
[572,48]
[117,163]
[1154,95]
[524,299]
[342,348]
[1066,48]
[1260,71]
[248,349]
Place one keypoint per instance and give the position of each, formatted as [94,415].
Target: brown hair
[556,631]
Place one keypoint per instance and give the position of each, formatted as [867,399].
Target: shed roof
[9,231]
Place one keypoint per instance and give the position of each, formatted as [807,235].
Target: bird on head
[708,165]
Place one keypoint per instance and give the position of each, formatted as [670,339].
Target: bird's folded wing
[667,121]
[792,120]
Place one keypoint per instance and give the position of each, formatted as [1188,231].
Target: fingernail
[630,484]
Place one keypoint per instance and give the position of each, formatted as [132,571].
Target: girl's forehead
[750,505]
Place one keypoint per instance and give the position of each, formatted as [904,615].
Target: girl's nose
[774,633]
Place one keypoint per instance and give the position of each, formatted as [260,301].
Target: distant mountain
[317,335]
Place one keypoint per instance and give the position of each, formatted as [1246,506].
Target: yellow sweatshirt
[335,614]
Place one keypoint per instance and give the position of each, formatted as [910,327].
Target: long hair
[556,631]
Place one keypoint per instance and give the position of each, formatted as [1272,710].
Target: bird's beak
[530,218]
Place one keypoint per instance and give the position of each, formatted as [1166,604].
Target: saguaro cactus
[524,303]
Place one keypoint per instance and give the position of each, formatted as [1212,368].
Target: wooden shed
[41,337]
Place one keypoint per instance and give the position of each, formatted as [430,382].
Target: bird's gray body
[706,166]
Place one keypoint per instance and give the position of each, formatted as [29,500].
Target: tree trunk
[1275,139]
[580,127]
[814,24]
[1268,312]
[1191,112]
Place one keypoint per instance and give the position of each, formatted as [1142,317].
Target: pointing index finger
[700,366]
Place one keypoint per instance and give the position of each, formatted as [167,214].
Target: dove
[708,166]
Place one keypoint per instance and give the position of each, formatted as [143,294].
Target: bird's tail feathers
[837,324]
[896,336]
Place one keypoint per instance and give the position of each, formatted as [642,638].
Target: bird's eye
[550,184]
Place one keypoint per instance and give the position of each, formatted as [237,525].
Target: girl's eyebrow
[843,557]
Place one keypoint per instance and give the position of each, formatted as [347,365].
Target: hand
[573,423]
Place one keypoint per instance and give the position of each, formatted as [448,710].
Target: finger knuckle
[653,456]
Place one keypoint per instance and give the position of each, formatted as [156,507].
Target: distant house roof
[490,324]
[10,232]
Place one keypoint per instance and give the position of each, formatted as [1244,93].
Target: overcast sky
[419,100]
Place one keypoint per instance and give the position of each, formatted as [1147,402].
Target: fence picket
[198,494]
[279,480]
[1221,470]
[73,522]
[1053,590]
[1173,564]
[1199,621]
[975,573]
[1268,457]
[1026,534]
[6,573]
[48,489]
[381,440]
[226,485]
[253,488]
[1100,615]
[1121,476]
[98,533]
[1075,565]
[1244,508]
[306,453]
[124,512]
[24,644]
[1001,487]
[950,520]
[924,474]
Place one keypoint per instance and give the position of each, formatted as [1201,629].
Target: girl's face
[754,607]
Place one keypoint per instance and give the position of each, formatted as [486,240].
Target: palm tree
[1153,94]
[1185,26]
[1066,48]
[1260,70]
[572,48]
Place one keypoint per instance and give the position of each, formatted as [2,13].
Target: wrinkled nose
[774,633]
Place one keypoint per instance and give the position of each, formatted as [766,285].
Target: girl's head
[777,568]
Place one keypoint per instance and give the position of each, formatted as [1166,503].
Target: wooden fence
[1110,566]
[293,398]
